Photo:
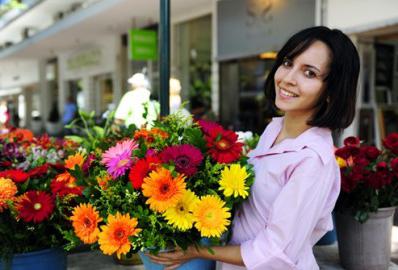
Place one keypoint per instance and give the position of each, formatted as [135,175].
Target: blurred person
[4,116]
[297,179]
[134,104]
[175,98]
[70,110]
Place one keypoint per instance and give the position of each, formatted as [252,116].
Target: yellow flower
[341,162]
[114,236]
[8,189]
[180,216]
[233,181]
[85,220]
[163,190]
[211,217]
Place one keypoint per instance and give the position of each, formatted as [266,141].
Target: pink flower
[185,157]
[117,159]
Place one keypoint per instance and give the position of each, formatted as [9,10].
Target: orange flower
[103,181]
[163,191]
[158,132]
[72,161]
[141,134]
[85,219]
[64,184]
[18,135]
[150,135]
[8,189]
[114,237]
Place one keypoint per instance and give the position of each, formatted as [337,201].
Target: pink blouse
[296,186]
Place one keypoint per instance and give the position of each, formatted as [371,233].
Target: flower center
[164,188]
[182,161]
[87,222]
[119,234]
[223,144]
[37,206]
[122,162]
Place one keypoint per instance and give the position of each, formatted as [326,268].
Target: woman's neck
[293,126]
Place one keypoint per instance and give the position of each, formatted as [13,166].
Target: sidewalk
[327,257]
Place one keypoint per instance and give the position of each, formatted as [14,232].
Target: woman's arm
[228,254]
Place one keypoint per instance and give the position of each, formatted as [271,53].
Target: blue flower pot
[196,264]
[47,259]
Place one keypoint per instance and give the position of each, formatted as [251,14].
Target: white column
[215,89]
[45,98]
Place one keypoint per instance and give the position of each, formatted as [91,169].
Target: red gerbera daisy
[17,176]
[185,157]
[141,169]
[223,145]
[35,206]
[206,126]
[38,171]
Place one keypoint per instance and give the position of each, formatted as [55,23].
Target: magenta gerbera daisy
[186,158]
[117,159]
[35,206]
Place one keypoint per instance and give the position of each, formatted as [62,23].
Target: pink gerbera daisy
[185,157]
[117,159]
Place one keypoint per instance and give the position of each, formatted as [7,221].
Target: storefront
[374,30]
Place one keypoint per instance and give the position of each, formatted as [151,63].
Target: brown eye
[309,74]
[286,62]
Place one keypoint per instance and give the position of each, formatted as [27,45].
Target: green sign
[143,44]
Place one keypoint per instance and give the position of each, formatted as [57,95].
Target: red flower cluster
[366,165]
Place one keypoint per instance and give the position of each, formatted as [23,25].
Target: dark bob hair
[336,106]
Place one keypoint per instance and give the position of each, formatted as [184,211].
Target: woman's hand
[172,260]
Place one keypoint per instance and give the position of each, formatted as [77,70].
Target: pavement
[327,258]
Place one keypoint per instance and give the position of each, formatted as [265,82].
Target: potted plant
[35,198]
[173,185]
[366,205]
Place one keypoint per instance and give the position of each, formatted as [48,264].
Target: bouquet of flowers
[35,192]
[167,186]
[369,176]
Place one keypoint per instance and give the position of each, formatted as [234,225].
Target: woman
[297,182]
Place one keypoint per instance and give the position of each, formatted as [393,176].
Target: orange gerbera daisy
[8,189]
[85,219]
[72,161]
[114,237]
[163,191]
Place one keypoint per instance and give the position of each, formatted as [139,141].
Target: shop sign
[142,44]
[85,59]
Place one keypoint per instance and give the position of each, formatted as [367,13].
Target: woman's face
[300,82]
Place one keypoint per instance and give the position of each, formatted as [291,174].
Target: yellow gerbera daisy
[85,219]
[163,190]
[180,216]
[211,217]
[233,181]
[72,161]
[8,189]
[114,237]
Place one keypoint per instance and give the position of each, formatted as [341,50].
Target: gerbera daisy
[73,160]
[211,217]
[163,191]
[38,171]
[85,219]
[64,184]
[118,159]
[141,169]
[180,216]
[223,145]
[206,126]
[18,176]
[8,189]
[35,206]
[233,181]
[114,237]
[185,157]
